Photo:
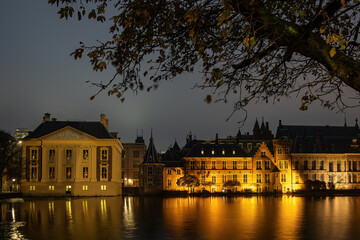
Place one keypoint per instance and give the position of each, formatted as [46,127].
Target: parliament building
[85,159]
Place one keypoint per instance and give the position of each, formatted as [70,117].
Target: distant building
[21,133]
[262,163]
[71,158]
[151,171]
[133,156]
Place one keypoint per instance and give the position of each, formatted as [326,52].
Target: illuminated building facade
[133,156]
[262,163]
[151,171]
[71,158]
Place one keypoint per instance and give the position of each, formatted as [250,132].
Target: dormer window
[223,152]
[202,151]
[233,152]
[263,154]
[212,151]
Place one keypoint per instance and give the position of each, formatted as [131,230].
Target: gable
[67,133]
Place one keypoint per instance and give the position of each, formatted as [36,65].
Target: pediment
[67,133]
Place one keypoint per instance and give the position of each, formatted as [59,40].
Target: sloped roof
[319,144]
[95,129]
[291,131]
[208,148]
[172,157]
[151,155]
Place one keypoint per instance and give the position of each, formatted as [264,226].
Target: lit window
[85,154]
[32,188]
[103,187]
[202,151]
[233,152]
[68,154]
[212,152]
[51,188]
[223,152]
[85,187]
[85,172]
[68,188]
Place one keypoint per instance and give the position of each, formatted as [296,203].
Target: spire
[176,146]
[356,123]
[256,126]
[263,124]
[151,155]
[345,125]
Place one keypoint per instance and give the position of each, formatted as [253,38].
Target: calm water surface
[182,218]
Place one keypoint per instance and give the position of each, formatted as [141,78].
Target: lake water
[110,218]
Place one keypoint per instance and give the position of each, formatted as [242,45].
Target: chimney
[53,119]
[104,121]
[46,117]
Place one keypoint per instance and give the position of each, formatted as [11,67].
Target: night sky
[38,75]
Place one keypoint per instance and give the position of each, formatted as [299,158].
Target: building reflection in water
[69,211]
[85,209]
[182,218]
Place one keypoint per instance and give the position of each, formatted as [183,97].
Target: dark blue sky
[38,75]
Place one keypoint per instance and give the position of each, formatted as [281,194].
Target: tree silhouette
[256,49]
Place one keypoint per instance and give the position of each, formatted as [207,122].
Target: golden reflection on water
[210,218]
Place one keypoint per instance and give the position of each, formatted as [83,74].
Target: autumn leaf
[332,52]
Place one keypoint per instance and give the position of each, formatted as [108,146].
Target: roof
[291,131]
[318,144]
[151,155]
[95,129]
[216,150]
[172,157]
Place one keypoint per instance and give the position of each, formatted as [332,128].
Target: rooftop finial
[345,121]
